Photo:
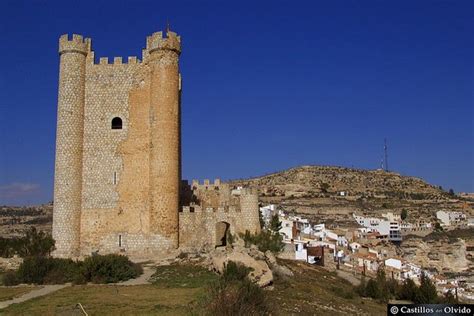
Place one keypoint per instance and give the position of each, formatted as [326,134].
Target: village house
[450,218]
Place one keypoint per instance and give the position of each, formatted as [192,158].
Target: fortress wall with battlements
[199,224]
[118,190]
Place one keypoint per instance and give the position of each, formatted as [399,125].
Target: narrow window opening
[116,123]
[120,240]
[115,177]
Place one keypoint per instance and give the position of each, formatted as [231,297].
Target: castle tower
[164,134]
[69,142]
[250,210]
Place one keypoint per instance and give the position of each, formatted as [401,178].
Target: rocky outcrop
[442,255]
[279,270]
[10,263]
[250,257]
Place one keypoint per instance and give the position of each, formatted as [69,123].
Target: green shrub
[234,294]
[46,270]
[96,269]
[10,278]
[110,269]
[265,240]
[360,289]
[235,272]
[33,243]
[408,290]
[372,289]
[426,293]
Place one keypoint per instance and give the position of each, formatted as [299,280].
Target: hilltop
[335,192]
[313,180]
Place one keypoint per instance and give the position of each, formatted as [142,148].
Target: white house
[391,229]
[267,212]
[355,246]
[450,218]
[286,228]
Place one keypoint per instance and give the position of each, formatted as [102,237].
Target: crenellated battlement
[131,60]
[197,209]
[156,41]
[205,184]
[76,44]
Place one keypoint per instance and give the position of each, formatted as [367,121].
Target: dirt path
[45,290]
[142,279]
[348,276]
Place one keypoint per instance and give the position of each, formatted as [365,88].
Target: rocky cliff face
[443,254]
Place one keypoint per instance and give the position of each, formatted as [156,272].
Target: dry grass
[311,291]
[7,293]
[110,300]
[315,291]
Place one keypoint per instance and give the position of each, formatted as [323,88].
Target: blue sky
[268,85]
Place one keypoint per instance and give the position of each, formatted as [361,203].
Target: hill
[333,193]
[14,220]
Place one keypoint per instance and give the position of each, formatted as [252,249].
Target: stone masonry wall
[69,137]
[117,190]
[218,203]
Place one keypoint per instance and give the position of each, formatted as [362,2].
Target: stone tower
[164,134]
[69,136]
[118,158]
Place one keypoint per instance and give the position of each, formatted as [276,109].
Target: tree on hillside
[451,192]
[36,243]
[372,289]
[427,291]
[382,284]
[408,290]
[275,224]
[404,214]
[324,187]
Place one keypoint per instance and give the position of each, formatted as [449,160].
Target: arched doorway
[221,233]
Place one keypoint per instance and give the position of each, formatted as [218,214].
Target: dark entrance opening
[222,228]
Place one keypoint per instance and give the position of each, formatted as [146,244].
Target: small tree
[451,192]
[449,298]
[260,219]
[437,227]
[324,187]
[404,214]
[275,224]
[36,243]
[382,284]
[427,291]
[372,289]
[408,291]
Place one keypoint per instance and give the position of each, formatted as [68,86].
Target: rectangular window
[120,240]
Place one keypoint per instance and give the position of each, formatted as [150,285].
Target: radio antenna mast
[385,149]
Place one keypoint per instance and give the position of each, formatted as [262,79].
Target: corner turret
[156,41]
[77,44]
